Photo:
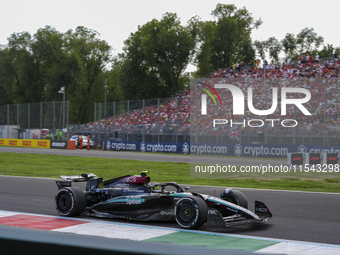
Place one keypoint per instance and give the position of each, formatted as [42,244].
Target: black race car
[133,197]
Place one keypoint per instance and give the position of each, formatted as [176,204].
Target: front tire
[191,212]
[241,199]
[70,201]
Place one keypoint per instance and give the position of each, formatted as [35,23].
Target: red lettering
[13,142]
[26,143]
[296,158]
[332,158]
[42,144]
[315,158]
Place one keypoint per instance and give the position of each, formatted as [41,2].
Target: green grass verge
[52,166]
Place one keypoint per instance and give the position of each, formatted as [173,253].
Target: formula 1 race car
[133,197]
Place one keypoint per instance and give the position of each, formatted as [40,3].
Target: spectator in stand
[288,60]
[335,56]
[310,60]
[299,59]
[303,60]
[251,63]
[317,57]
[258,62]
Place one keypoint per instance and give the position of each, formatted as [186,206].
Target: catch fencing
[34,120]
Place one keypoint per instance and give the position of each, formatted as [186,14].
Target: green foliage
[262,48]
[206,32]
[275,48]
[90,55]
[226,40]
[155,57]
[289,44]
[272,46]
[6,78]
[34,68]
[327,51]
[307,40]
[135,78]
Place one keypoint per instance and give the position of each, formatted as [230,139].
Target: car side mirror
[186,189]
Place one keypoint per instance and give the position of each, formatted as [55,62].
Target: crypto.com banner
[264,111]
[147,147]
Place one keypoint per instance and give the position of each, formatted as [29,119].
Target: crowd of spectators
[320,77]
[306,66]
[172,116]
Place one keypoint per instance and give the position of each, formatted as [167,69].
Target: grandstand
[171,120]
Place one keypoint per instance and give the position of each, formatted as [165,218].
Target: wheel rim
[186,213]
[64,202]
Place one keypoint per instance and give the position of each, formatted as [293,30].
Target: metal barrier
[34,120]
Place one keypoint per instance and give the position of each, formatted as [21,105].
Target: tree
[206,31]
[247,52]
[113,91]
[50,47]
[24,65]
[155,58]
[307,40]
[275,48]
[262,48]
[34,68]
[88,56]
[227,40]
[328,51]
[39,64]
[6,78]
[136,79]
[289,44]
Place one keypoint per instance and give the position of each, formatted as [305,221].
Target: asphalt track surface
[302,216]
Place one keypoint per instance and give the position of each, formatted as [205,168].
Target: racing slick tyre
[70,201]
[191,212]
[241,199]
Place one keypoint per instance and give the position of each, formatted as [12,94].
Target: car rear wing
[79,178]
[68,179]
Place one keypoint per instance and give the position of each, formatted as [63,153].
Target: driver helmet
[157,188]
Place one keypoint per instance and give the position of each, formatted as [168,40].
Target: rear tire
[240,198]
[191,212]
[70,201]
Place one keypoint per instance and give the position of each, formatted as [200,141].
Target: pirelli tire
[70,201]
[241,199]
[191,212]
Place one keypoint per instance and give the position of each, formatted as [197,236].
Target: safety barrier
[35,143]
[32,143]
[330,158]
[312,158]
[295,158]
